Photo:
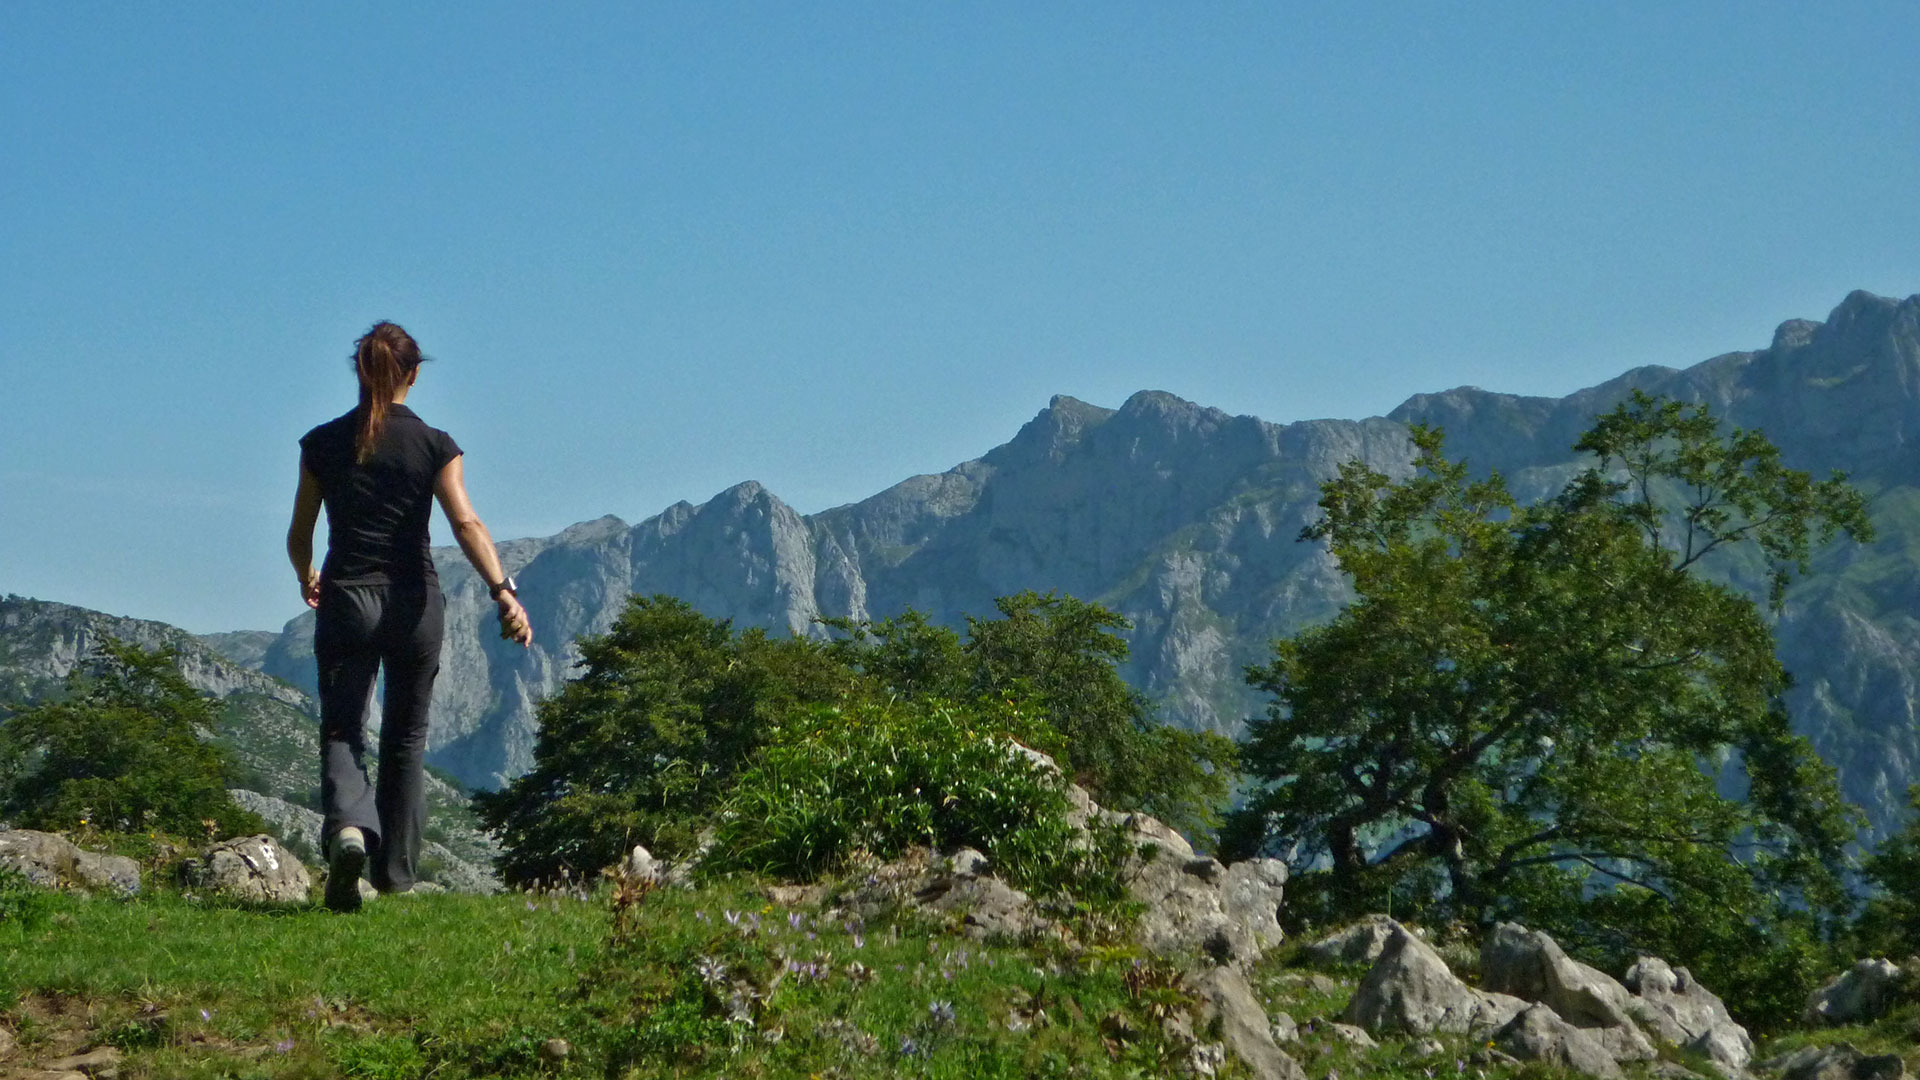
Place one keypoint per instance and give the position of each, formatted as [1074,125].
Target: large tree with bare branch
[1548,711]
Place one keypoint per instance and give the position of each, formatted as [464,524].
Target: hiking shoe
[346,856]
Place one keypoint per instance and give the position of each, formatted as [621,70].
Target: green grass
[458,986]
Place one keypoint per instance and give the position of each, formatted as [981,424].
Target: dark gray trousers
[361,628]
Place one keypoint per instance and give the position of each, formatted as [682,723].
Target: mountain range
[1185,520]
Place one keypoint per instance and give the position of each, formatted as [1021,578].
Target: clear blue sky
[659,249]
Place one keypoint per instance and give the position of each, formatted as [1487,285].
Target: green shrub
[1890,923]
[1058,657]
[640,748]
[23,904]
[882,777]
[121,751]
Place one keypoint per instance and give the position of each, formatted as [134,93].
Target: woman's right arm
[450,487]
[306,512]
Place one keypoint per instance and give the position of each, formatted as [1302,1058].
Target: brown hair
[383,358]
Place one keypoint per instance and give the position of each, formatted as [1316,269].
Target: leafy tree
[1057,657]
[1524,712]
[906,654]
[1890,925]
[122,750]
[638,750]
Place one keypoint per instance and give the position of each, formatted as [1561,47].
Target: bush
[1058,657]
[641,747]
[677,715]
[1890,923]
[883,777]
[121,751]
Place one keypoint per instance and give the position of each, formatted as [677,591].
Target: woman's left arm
[306,512]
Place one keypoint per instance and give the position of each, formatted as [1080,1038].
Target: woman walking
[377,470]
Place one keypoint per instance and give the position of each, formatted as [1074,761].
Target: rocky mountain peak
[1793,334]
[1052,434]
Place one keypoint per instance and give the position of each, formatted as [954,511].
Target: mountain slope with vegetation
[1184,520]
[268,727]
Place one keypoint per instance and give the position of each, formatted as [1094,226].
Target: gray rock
[1184,912]
[1671,1004]
[54,862]
[1282,1027]
[1839,1061]
[967,863]
[1352,1036]
[640,865]
[6,1043]
[251,869]
[1360,943]
[1226,999]
[1251,894]
[102,1063]
[1409,991]
[989,908]
[1538,1034]
[1864,992]
[1531,966]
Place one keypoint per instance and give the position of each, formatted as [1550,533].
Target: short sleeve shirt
[377,513]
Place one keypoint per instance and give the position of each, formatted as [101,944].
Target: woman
[377,470]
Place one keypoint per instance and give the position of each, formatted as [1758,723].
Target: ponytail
[383,358]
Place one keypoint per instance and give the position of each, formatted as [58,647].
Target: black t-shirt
[377,513]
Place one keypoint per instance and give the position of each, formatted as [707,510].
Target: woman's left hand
[514,624]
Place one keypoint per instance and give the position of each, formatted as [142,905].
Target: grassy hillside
[719,981]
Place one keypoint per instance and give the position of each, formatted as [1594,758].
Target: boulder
[968,863]
[1863,993]
[1355,1037]
[1540,1034]
[1531,966]
[1671,1004]
[252,869]
[1191,903]
[640,865]
[1182,910]
[1360,943]
[1251,894]
[101,1063]
[1226,999]
[54,862]
[1409,991]
[987,906]
[1840,1061]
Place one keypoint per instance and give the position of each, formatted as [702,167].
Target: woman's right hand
[514,624]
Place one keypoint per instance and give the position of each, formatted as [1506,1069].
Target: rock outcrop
[1540,1034]
[1672,1005]
[1227,1001]
[1531,966]
[55,862]
[1863,993]
[1838,1061]
[1410,991]
[1538,1003]
[1361,943]
[250,869]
